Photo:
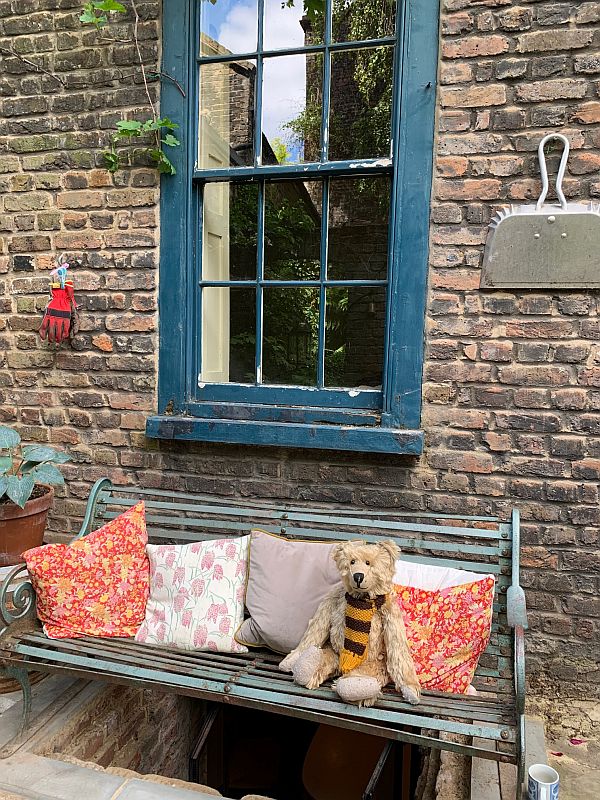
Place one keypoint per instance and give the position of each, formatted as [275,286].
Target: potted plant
[27,477]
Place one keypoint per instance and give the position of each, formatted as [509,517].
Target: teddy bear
[357,633]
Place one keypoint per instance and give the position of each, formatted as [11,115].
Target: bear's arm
[318,629]
[400,665]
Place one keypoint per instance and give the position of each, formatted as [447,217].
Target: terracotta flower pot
[22,528]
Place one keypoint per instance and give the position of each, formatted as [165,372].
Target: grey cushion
[286,582]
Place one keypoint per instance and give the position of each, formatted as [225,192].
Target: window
[294,236]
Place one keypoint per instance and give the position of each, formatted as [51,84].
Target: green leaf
[165,122]
[19,489]
[48,473]
[109,5]
[3,486]
[5,464]
[111,160]
[170,140]
[129,127]
[39,453]
[8,437]
[89,18]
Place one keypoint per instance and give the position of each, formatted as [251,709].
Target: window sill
[287,434]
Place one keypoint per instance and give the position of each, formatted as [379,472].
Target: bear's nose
[358,578]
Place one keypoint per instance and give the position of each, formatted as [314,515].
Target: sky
[233,23]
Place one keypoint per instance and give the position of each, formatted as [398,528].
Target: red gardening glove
[57,317]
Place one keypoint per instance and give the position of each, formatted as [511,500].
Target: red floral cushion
[447,631]
[97,585]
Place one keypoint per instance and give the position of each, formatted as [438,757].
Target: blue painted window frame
[384,422]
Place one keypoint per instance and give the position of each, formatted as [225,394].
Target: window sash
[412,136]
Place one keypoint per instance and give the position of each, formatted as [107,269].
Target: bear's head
[367,570]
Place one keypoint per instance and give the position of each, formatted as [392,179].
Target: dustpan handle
[561,170]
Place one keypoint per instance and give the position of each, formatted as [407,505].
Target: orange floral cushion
[97,585]
[447,631]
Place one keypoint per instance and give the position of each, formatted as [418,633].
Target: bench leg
[520,757]
[21,675]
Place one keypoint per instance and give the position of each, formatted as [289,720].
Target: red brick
[475,47]
[475,96]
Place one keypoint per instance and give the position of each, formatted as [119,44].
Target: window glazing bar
[359,166]
[297,284]
[260,265]
[298,51]
[326,83]
[258,87]
[323,276]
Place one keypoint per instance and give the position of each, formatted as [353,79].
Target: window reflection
[359,20]
[354,336]
[291,336]
[292,230]
[226,124]
[228,26]
[292,100]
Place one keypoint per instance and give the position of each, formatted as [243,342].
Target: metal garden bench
[493,719]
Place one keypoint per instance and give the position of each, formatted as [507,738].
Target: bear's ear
[339,555]
[391,548]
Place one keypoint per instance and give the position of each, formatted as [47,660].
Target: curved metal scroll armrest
[519,650]
[16,601]
[101,485]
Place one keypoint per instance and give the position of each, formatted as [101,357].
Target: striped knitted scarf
[359,614]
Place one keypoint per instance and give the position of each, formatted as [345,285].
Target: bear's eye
[353,561]
[368,563]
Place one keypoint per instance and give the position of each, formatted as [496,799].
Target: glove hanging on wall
[61,320]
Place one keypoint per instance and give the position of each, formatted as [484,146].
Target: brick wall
[512,381]
[137,729]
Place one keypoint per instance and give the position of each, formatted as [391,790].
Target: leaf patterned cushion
[196,595]
[97,585]
[447,631]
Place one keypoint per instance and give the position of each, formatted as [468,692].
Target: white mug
[543,783]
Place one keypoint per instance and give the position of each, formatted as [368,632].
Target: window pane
[291,104]
[290,336]
[230,223]
[290,26]
[361,104]
[292,230]
[228,26]
[354,336]
[359,20]
[226,123]
[228,335]
[358,228]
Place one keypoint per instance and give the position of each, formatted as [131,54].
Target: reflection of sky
[233,24]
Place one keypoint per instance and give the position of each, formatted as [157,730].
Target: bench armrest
[17,599]
[101,485]
[516,608]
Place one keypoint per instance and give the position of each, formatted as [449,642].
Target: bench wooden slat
[284,507]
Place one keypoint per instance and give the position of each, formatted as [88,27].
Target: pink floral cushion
[196,595]
[97,585]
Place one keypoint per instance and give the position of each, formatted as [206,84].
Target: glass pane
[359,20]
[290,336]
[358,228]
[230,224]
[226,122]
[289,26]
[228,335]
[354,336]
[228,26]
[292,230]
[291,103]
[361,104]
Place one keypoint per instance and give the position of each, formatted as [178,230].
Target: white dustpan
[544,246]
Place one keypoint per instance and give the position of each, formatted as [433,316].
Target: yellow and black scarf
[359,614]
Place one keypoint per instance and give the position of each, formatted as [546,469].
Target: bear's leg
[362,685]
[314,666]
